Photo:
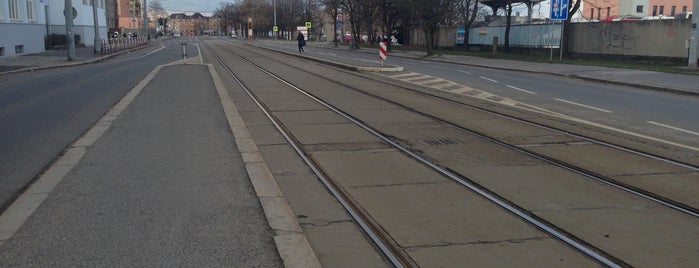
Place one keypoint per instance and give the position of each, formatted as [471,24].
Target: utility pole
[144,9]
[98,40]
[70,38]
[693,37]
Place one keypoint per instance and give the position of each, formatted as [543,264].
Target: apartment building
[25,23]
[601,9]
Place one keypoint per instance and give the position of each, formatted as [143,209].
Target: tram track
[392,251]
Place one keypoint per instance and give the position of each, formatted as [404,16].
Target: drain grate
[440,142]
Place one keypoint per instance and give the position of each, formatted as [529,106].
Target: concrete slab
[390,115]
[331,133]
[540,252]
[372,168]
[428,215]
[661,238]
[266,135]
[309,117]
[606,161]
[348,249]
[538,188]
[682,187]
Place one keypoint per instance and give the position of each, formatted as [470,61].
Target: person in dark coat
[302,41]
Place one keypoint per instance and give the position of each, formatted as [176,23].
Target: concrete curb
[76,63]
[291,242]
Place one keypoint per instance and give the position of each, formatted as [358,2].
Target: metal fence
[536,35]
[118,44]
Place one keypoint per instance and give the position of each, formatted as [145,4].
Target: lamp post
[97,28]
[70,38]
[144,9]
[692,59]
[274,6]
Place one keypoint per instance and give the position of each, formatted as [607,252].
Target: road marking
[464,72]
[438,67]
[491,80]
[516,88]
[671,127]
[583,105]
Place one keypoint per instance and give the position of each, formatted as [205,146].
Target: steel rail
[587,249]
[389,250]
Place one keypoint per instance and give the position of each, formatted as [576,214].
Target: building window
[14,9]
[662,10]
[86,2]
[639,9]
[609,11]
[684,8]
[30,10]
[655,10]
[673,9]
[19,49]
[2,51]
[599,12]
[592,13]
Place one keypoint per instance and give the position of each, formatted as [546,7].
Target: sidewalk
[47,59]
[158,181]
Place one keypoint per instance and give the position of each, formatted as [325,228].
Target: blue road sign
[559,9]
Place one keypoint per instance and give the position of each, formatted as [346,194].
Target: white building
[25,23]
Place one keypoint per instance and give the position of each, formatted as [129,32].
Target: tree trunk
[428,41]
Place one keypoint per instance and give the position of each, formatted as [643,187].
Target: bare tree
[468,12]
[359,11]
[431,14]
[226,12]
[566,37]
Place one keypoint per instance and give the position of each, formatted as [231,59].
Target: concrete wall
[30,36]
[656,38]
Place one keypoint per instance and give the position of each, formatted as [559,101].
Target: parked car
[177,35]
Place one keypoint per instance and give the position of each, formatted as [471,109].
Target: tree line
[373,18]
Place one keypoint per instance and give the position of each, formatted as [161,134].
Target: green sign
[308,24]
[275,28]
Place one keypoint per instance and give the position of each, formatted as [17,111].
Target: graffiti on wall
[615,35]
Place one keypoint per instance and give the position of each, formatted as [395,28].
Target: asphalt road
[43,112]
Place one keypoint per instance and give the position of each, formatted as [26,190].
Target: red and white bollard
[382,52]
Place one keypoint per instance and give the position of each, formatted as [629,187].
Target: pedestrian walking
[302,41]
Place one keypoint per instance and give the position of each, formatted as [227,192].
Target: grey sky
[191,5]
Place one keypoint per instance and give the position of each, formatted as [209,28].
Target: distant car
[234,35]
[683,16]
[177,35]
[620,18]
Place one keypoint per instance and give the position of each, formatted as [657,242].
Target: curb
[75,63]
[289,238]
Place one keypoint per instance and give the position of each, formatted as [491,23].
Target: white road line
[516,88]
[586,106]
[671,127]
[438,67]
[491,80]
[464,72]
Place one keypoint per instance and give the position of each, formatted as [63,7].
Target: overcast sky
[191,5]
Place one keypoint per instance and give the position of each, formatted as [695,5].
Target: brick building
[600,9]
